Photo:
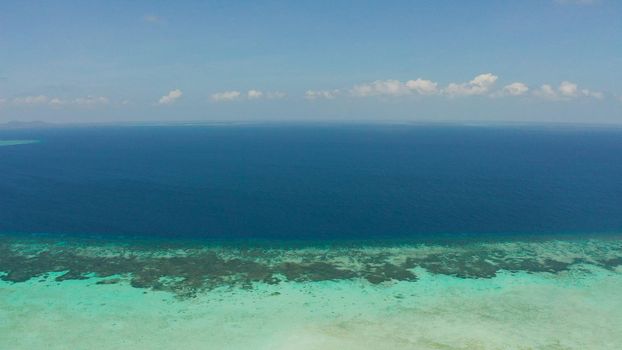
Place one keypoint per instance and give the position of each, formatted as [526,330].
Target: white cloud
[170,98]
[363,90]
[225,96]
[271,95]
[480,85]
[275,95]
[2,101]
[423,87]
[515,89]
[90,100]
[57,102]
[595,94]
[31,100]
[380,88]
[546,91]
[41,100]
[254,94]
[566,91]
[322,94]
[394,87]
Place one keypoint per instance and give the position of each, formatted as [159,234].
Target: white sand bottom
[576,309]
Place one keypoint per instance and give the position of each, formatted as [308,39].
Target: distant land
[38,124]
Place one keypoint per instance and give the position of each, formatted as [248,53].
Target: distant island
[16,142]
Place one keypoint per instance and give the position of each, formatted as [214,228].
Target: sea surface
[284,236]
[305,182]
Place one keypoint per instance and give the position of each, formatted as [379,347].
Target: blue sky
[107,61]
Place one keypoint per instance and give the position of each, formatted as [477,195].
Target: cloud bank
[253,94]
[394,87]
[481,85]
[566,91]
[43,100]
[322,94]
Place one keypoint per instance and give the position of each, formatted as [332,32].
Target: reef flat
[561,294]
[16,142]
[190,270]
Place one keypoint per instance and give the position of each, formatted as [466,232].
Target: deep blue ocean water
[288,182]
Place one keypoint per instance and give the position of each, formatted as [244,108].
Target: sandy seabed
[573,306]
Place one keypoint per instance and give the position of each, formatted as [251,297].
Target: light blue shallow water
[512,295]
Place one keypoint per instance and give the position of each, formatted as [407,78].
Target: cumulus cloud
[566,91]
[57,102]
[42,100]
[253,94]
[546,91]
[275,95]
[394,87]
[31,100]
[480,85]
[225,96]
[91,100]
[271,95]
[170,98]
[423,87]
[595,94]
[380,88]
[515,89]
[322,94]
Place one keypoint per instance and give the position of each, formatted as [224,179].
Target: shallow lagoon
[557,294]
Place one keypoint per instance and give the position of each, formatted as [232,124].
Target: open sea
[311,237]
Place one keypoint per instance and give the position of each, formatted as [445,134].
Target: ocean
[312,182]
[309,236]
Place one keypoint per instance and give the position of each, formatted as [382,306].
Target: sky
[437,60]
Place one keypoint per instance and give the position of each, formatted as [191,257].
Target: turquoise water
[554,294]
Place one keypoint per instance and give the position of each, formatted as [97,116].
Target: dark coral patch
[316,271]
[186,272]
